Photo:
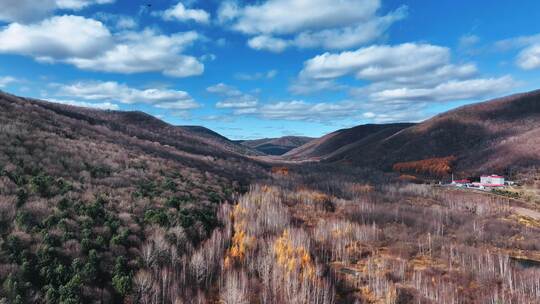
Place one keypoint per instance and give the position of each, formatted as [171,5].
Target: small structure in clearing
[492,180]
[461,182]
[487,182]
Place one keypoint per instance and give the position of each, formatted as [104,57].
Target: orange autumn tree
[241,242]
[438,167]
[294,258]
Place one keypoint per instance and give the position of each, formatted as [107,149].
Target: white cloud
[529,58]
[268,43]
[100,105]
[126,23]
[224,90]
[257,76]
[116,92]
[56,38]
[119,22]
[88,44]
[419,70]
[208,57]
[240,102]
[6,80]
[146,51]
[304,111]
[517,42]
[399,82]
[287,17]
[304,86]
[369,115]
[181,13]
[350,36]
[318,23]
[448,91]
[227,11]
[233,98]
[413,114]
[377,62]
[467,41]
[79,4]
[23,11]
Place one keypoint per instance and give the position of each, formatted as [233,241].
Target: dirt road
[526,212]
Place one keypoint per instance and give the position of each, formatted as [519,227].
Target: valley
[121,207]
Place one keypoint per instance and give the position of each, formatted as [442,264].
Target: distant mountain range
[276,146]
[491,136]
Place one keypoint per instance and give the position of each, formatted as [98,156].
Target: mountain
[84,192]
[276,146]
[490,136]
[342,140]
[221,140]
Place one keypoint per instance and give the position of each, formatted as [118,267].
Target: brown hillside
[276,146]
[489,136]
[333,142]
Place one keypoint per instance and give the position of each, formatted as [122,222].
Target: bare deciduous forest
[290,243]
[91,212]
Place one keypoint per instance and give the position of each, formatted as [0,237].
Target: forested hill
[82,190]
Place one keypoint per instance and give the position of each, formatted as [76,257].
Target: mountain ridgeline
[82,190]
[491,136]
[120,207]
[276,146]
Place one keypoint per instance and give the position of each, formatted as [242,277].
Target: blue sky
[251,69]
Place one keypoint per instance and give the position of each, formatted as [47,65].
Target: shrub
[157,216]
[42,184]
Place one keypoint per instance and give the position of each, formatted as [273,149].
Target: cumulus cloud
[301,110]
[304,86]
[6,80]
[98,105]
[224,90]
[408,68]
[409,114]
[146,51]
[180,13]
[320,23]
[268,43]
[119,22]
[79,4]
[517,42]
[240,102]
[401,79]
[448,91]
[467,41]
[377,62]
[56,38]
[257,76]
[89,45]
[115,92]
[349,36]
[529,58]
[228,11]
[233,98]
[23,11]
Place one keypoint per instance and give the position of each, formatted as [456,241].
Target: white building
[492,180]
